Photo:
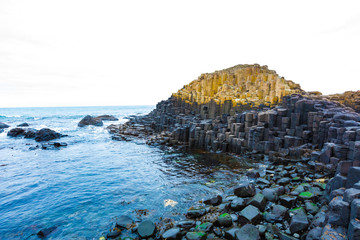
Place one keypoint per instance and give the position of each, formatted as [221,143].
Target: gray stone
[351,194]
[124,221]
[237,204]
[196,236]
[172,234]
[355,209]
[270,194]
[353,177]
[299,222]
[354,229]
[258,201]
[338,213]
[146,229]
[333,233]
[314,234]
[245,190]
[195,212]
[214,201]
[186,224]
[287,201]
[250,214]
[248,232]
[231,233]
[319,220]
[311,208]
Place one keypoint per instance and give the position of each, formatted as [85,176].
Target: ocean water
[82,188]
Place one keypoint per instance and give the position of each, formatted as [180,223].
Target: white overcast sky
[93,53]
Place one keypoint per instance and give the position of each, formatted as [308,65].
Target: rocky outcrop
[44,134]
[350,99]
[96,121]
[235,89]
[250,109]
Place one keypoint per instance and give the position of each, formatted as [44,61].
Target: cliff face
[237,88]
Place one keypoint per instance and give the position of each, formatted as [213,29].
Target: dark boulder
[46,134]
[245,190]
[89,120]
[214,201]
[107,118]
[30,133]
[16,132]
[23,125]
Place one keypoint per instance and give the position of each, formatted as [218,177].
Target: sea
[82,188]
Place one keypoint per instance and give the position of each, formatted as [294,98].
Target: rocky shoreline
[290,125]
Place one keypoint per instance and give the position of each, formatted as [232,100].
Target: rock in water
[30,133]
[46,134]
[89,120]
[107,118]
[245,190]
[46,232]
[124,221]
[146,229]
[16,132]
[3,125]
[23,125]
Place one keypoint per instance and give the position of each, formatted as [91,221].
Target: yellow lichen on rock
[241,84]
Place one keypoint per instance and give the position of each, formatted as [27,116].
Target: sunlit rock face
[237,88]
[349,98]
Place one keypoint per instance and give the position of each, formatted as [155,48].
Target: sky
[97,53]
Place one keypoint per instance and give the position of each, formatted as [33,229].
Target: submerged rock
[23,125]
[146,229]
[46,232]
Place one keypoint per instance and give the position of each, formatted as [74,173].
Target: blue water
[81,188]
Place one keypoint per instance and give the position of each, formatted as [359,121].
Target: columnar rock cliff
[248,108]
[235,89]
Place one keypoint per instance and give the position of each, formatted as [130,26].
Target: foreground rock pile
[324,134]
[286,203]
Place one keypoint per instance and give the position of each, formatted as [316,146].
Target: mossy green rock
[225,220]
[306,195]
[204,227]
[195,235]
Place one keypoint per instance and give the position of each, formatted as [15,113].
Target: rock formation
[248,108]
[235,89]
[350,99]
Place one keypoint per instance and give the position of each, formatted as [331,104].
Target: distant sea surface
[82,188]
